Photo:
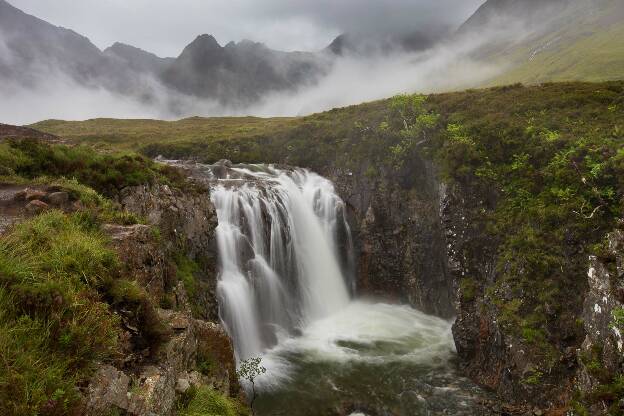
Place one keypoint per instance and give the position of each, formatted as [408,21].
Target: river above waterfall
[287,295]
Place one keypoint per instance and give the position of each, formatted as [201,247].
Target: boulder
[36,206]
[32,194]
[183,384]
[58,198]
[108,388]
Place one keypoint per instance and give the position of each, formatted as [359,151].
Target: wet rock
[220,169]
[36,207]
[20,195]
[32,194]
[398,233]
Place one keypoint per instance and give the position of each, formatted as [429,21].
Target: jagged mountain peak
[205,40]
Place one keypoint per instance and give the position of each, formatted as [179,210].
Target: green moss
[611,392]
[186,270]
[468,289]
[533,335]
[618,319]
[534,379]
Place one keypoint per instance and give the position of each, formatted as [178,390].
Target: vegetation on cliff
[55,325]
[66,301]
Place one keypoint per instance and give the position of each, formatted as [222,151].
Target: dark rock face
[399,236]
[187,222]
[601,357]
[423,242]
[417,240]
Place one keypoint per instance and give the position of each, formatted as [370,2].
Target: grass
[60,281]
[562,51]
[54,324]
[106,173]
[205,401]
[135,134]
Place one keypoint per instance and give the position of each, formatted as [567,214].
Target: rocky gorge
[418,243]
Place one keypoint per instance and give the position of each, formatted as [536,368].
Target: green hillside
[583,43]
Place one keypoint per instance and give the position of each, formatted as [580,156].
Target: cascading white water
[284,294]
[278,241]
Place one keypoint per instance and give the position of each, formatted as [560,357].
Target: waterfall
[284,253]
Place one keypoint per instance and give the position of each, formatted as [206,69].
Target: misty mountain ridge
[240,72]
[236,75]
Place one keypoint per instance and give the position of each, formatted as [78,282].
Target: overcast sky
[166,26]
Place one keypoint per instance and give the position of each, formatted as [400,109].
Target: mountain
[503,12]
[31,46]
[554,40]
[240,73]
[137,59]
[32,50]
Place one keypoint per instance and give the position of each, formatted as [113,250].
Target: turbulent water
[286,295]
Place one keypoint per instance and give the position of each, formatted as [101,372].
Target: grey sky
[166,26]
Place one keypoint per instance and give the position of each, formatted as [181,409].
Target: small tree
[249,370]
